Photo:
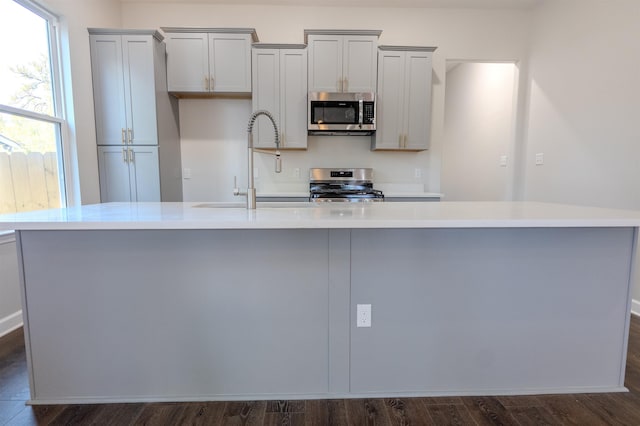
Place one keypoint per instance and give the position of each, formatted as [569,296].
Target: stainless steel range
[343,185]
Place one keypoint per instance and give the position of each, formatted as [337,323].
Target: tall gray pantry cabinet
[136,119]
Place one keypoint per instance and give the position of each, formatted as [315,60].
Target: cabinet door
[293,98]
[113,166]
[389,128]
[108,89]
[230,62]
[137,53]
[145,173]
[417,94]
[325,63]
[266,94]
[359,64]
[187,62]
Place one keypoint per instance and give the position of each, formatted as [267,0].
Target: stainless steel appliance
[343,185]
[341,113]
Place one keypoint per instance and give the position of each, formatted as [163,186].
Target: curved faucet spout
[251,190]
[252,121]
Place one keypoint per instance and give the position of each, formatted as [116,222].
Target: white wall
[585,104]
[478,130]
[10,311]
[213,135]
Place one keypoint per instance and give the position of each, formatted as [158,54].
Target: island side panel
[485,311]
[161,315]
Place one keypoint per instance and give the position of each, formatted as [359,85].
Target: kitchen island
[209,301]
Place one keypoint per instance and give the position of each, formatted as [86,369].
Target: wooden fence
[28,181]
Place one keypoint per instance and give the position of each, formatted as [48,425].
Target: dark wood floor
[578,409]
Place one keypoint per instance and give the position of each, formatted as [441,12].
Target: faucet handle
[236,190]
[278,162]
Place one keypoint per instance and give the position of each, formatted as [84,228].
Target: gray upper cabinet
[404,98]
[136,119]
[280,87]
[209,60]
[342,60]
[123,86]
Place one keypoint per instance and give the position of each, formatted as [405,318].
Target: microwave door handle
[360,109]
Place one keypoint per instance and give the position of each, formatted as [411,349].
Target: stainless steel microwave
[341,113]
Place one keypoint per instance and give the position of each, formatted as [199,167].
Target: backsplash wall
[214,150]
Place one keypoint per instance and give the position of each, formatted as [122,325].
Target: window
[31,114]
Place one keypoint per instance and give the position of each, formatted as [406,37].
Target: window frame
[59,118]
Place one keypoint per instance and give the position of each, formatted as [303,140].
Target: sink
[262,204]
[220,205]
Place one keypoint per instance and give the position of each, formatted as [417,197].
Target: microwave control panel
[368,115]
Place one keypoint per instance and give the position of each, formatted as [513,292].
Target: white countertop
[322,215]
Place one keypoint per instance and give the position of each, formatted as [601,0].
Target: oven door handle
[360,113]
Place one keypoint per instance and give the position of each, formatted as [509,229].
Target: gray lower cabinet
[129,173]
[200,314]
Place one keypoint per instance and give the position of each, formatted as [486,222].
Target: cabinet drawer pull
[211,83]
[206,83]
[130,135]
[131,156]
[124,155]
[123,137]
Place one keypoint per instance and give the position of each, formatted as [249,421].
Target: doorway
[478,152]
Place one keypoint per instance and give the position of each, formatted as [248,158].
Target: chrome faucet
[251,190]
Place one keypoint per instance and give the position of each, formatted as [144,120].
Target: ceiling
[464,4]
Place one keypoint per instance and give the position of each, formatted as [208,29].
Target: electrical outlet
[363,313]
[186,173]
[417,173]
[539,159]
[296,173]
[503,161]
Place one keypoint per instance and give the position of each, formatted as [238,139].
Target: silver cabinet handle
[124,155]
[206,83]
[131,156]
[211,83]
[123,137]
[130,136]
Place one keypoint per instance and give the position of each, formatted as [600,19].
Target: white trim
[10,323]
[635,307]
[30,114]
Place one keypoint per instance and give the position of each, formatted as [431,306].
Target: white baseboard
[10,323]
[635,307]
